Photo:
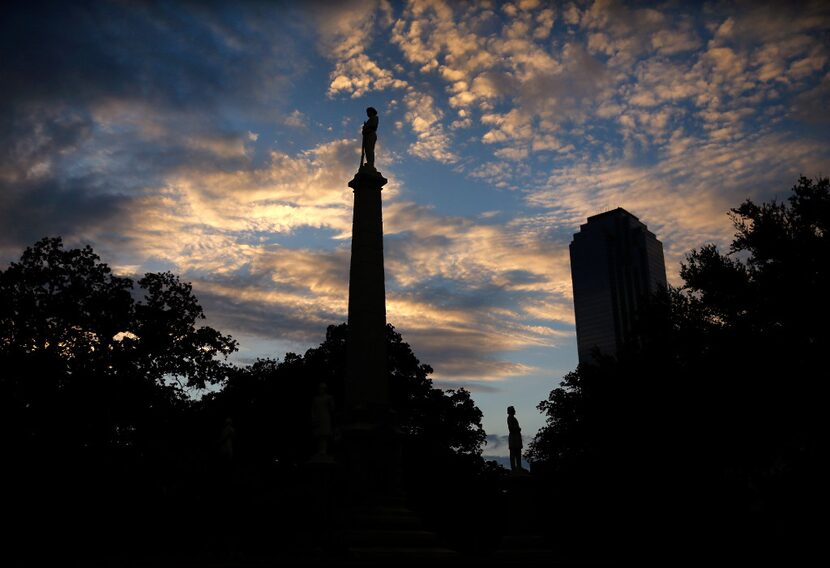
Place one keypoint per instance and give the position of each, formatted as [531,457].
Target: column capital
[367,177]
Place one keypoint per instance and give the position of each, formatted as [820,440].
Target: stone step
[512,541]
[385,519]
[525,557]
[402,555]
[388,538]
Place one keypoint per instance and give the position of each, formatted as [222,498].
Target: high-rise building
[615,263]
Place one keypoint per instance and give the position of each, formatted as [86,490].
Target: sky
[216,140]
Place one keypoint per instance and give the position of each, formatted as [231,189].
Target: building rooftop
[617,211]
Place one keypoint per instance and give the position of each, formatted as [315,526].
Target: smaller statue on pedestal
[514,440]
[370,136]
[226,440]
[322,418]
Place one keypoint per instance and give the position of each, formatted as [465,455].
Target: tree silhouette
[95,377]
[710,427]
[85,366]
[444,474]
[93,399]
[270,400]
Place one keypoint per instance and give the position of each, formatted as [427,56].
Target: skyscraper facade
[616,262]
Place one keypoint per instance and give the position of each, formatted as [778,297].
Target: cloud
[813,106]
[215,227]
[193,208]
[31,211]
[647,69]
[513,68]
[346,30]
[465,294]
[296,119]
[359,75]
[468,293]
[148,59]
[89,127]
[460,293]
[164,150]
[347,33]
[684,196]
[194,196]
[498,445]
[279,293]
[424,118]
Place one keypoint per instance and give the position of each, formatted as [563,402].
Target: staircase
[391,534]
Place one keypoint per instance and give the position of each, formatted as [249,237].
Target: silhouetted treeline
[270,400]
[99,429]
[445,476]
[710,434]
[108,457]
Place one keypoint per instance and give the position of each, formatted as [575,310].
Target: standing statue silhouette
[226,440]
[322,414]
[370,136]
[514,440]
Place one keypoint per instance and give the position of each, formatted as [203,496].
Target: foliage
[718,411]
[270,401]
[96,373]
[84,364]
[444,475]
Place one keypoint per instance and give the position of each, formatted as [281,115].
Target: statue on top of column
[370,136]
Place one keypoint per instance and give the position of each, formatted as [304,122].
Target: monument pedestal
[324,509]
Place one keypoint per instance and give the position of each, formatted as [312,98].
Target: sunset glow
[217,142]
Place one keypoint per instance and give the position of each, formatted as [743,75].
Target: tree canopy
[87,360]
[715,418]
[270,400]
[96,377]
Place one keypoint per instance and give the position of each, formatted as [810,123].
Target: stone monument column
[372,445]
[367,389]
[379,527]
[370,441]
